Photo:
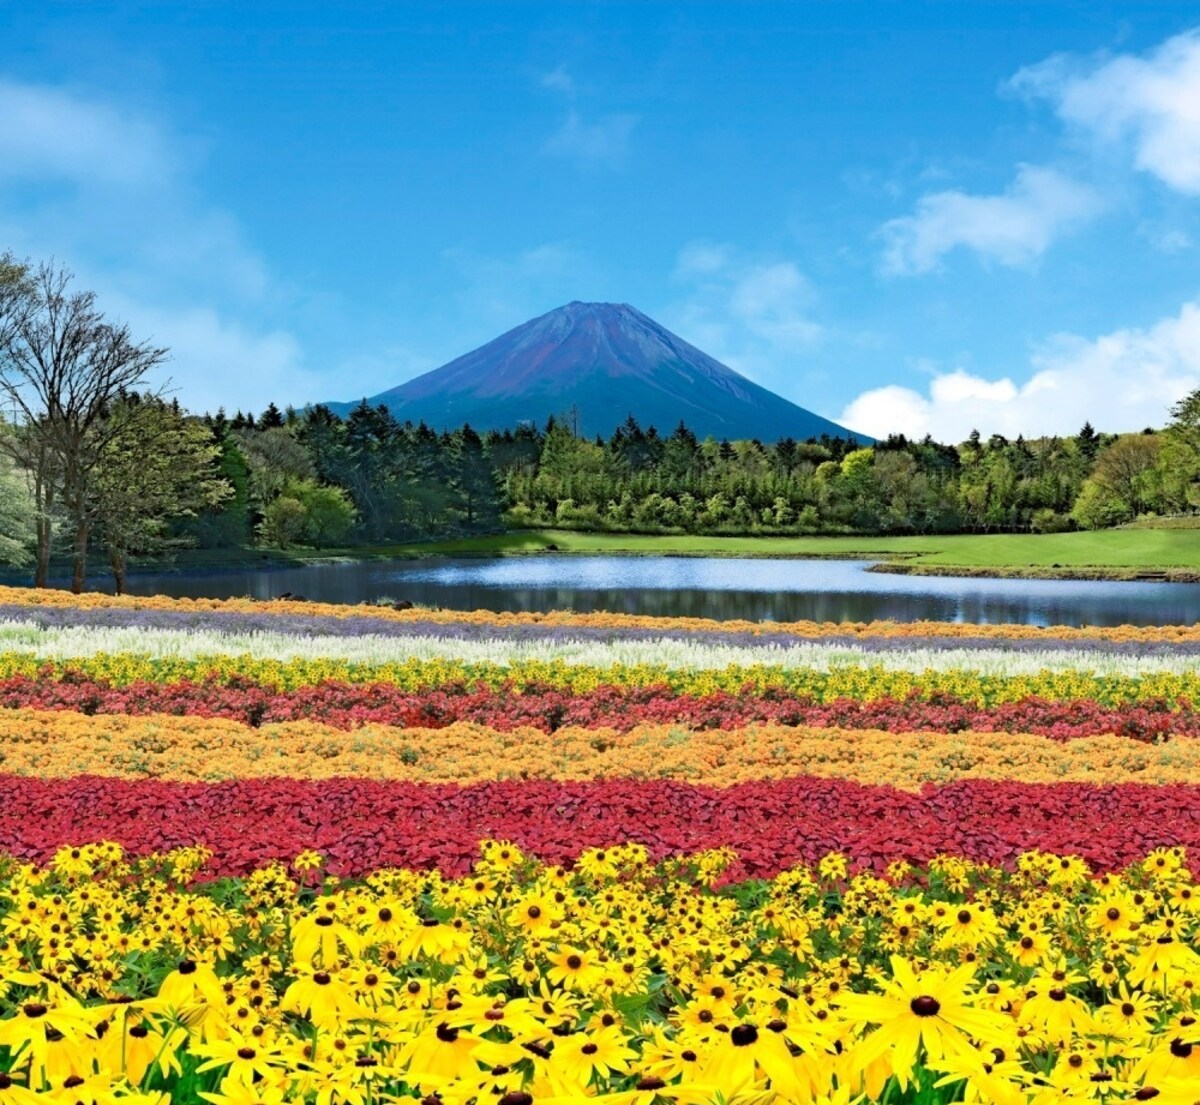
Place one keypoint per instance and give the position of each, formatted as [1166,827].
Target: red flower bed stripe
[360,825]
[347,706]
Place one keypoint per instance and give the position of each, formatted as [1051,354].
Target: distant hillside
[606,360]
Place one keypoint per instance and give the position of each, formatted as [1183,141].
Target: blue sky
[911,216]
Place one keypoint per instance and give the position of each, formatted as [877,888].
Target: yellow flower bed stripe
[25,596]
[189,749]
[859,682]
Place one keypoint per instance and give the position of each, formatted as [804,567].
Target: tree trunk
[79,561]
[41,576]
[116,558]
[42,495]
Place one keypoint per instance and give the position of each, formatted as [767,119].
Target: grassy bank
[1121,553]
[1111,554]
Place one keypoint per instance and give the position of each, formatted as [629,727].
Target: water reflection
[760,590]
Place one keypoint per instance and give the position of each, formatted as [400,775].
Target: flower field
[257,853]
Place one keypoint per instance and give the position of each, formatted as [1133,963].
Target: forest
[310,477]
[95,460]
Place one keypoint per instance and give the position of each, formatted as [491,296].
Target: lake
[723,588]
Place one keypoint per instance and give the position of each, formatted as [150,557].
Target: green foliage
[157,465]
[17,514]
[306,512]
[282,522]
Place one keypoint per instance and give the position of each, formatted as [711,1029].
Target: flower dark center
[925,1006]
[744,1035]
[446,1034]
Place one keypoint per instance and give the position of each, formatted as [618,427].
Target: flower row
[20,596]
[25,621]
[361,824]
[858,683]
[621,980]
[350,705]
[55,745]
[664,653]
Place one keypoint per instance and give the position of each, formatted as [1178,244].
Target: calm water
[778,590]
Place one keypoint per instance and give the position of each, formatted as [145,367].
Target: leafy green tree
[157,465]
[18,512]
[329,513]
[62,367]
[283,522]
[306,512]
[1124,472]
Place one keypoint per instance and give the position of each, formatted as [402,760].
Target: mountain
[606,360]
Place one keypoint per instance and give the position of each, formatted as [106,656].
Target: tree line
[94,458]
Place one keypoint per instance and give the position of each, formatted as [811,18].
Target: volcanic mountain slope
[607,361]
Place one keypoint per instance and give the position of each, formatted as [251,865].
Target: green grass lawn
[1114,552]
[1121,548]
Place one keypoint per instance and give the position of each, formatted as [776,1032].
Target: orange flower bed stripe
[61,744]
[24,596]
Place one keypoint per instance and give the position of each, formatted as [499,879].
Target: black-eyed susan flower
[934,1010]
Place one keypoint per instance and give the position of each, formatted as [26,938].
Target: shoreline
[881,563]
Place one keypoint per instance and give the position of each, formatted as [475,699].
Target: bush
[1049,521]
[282,522]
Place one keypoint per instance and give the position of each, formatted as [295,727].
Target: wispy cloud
[1014,227]
[1147,103]
[134,226]
[1121,381]
[559,79]
[51,133]
[600,141]
[753,314]
[588,138]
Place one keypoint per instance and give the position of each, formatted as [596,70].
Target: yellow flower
[933,1011]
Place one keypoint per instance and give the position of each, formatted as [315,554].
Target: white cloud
[771,300]
[216,361]
[47,132]
[755,316]
[1150,103]
[559,80]
[133,227]
[1122,381]
[702,259]
[1013,228]
[602,141]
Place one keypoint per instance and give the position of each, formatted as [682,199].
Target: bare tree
[62,366]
